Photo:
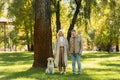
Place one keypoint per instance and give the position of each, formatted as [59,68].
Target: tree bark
[32,47]
[78,5]
[57,12]
[117,43]
[5,42]
[31,40]
[87,12]
[87,9]
[42,33]
[27,39]
[28,47]
[58,24]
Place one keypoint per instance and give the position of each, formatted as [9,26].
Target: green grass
[95,66]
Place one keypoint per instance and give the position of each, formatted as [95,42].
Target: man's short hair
[73,30]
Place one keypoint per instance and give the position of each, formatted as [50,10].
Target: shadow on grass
[9,59]
[23,74]
[105,70]
[99,55]
[39,74]
[12,58]
[112,66]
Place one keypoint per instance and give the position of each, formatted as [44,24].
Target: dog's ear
[47,59]
[53,59]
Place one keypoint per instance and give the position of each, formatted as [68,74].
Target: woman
[61,52]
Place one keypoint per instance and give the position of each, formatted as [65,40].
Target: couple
[75,49]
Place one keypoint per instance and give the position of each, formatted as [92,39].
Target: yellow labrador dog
[50,65]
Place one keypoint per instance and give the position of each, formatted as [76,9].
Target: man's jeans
[76,57]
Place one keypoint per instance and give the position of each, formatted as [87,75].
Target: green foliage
[21,11]
[108,33]
[94,21]
[1,6]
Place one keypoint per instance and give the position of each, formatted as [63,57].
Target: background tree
[56,4]
[107,32]
[1,6]
[116,24]
[21,11]
[78,6]
[42,33]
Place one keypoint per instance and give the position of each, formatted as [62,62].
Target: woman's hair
[58,34]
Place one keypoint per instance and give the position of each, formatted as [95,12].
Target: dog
[50,66]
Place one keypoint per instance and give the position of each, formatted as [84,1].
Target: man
[76,51]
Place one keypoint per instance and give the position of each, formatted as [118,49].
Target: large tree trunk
[42,33]
[78,5]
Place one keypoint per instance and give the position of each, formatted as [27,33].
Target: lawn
[95,66]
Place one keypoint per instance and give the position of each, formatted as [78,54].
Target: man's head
[73,33]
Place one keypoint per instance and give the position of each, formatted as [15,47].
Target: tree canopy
[96,20]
